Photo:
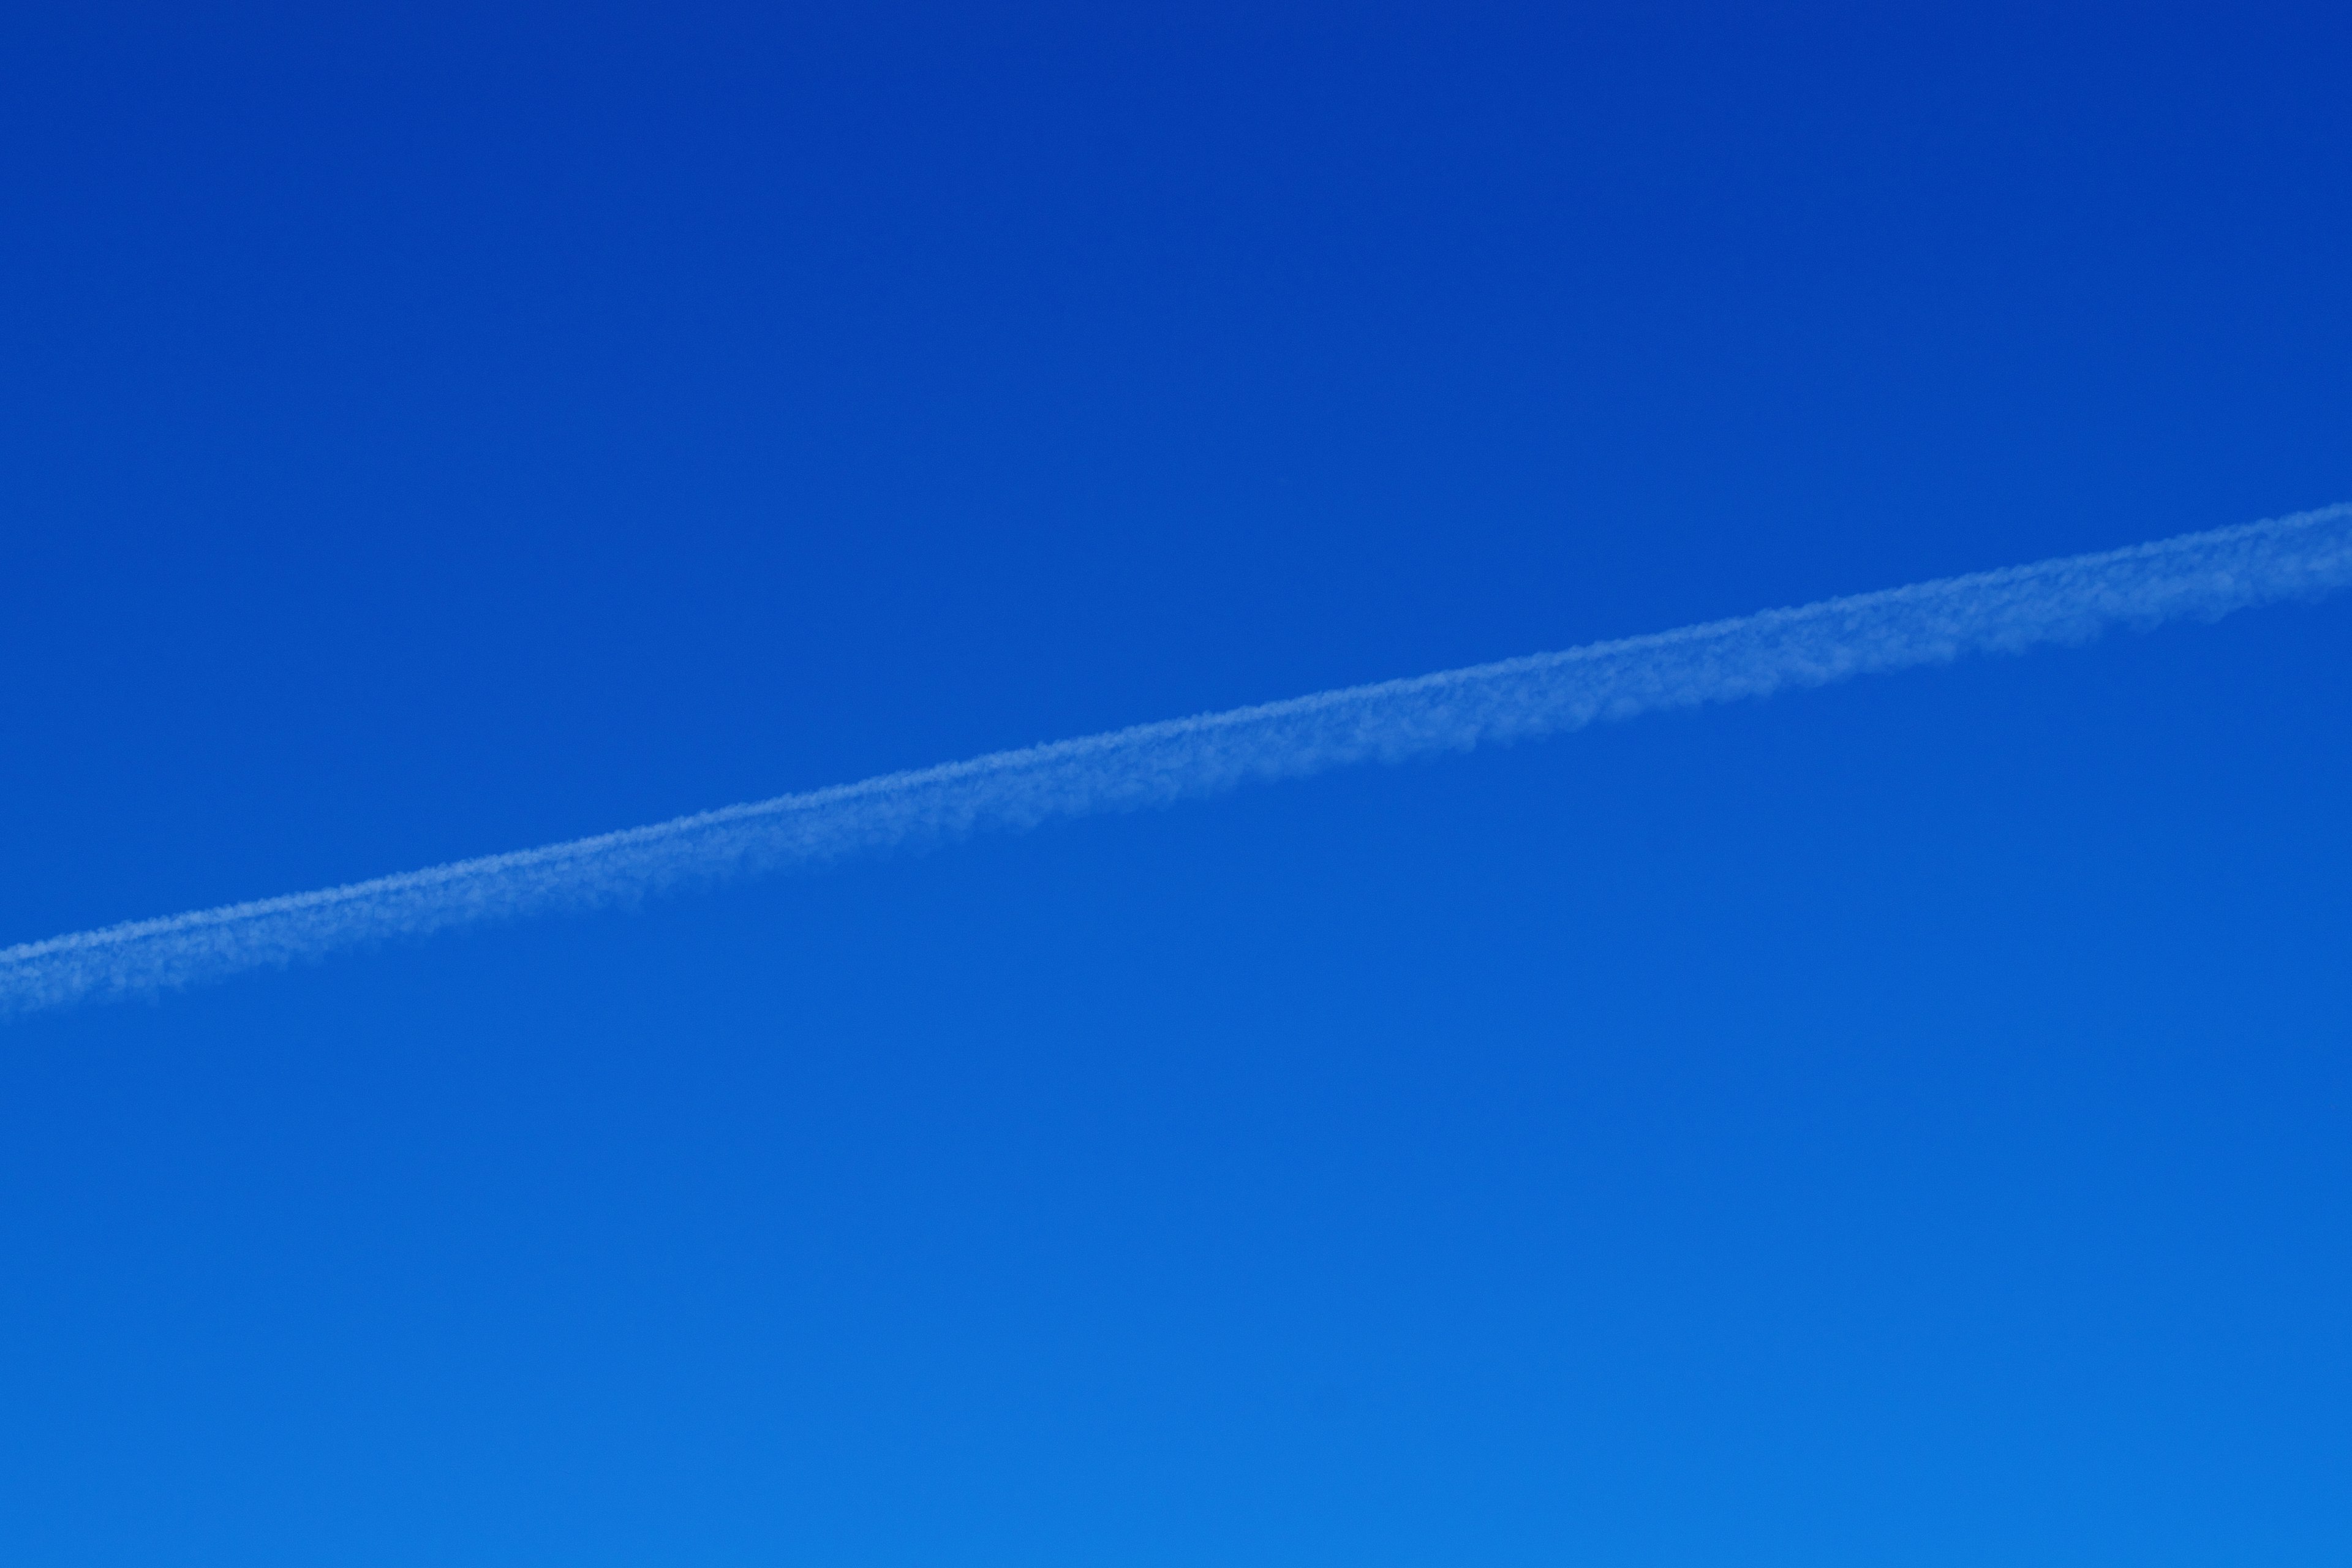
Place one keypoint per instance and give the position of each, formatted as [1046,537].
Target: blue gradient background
[1908,1124]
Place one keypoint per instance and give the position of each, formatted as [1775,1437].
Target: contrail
[2200,576]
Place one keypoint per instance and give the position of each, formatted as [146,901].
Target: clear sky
[1905,1124]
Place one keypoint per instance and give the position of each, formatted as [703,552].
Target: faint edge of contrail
[2067,600]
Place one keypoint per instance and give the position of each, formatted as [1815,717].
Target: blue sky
[1900,1123]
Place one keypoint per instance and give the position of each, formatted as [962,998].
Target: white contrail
[2067,600]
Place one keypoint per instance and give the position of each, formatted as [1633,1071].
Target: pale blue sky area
[1904,1123]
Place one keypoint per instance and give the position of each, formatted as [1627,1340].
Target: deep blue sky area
[1904,1123]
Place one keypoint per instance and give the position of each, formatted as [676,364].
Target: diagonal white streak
[2199,575]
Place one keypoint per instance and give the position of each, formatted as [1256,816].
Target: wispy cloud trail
[2197,576]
